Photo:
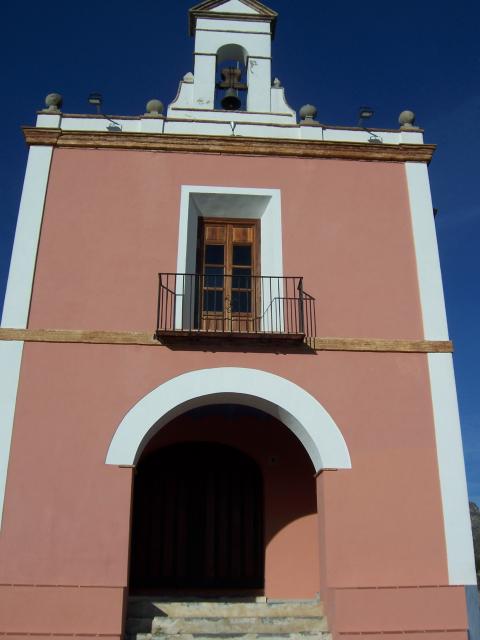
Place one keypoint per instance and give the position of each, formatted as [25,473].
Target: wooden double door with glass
[229,283]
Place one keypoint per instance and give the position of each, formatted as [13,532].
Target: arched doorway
[197,519]
[291,438]
[277,396]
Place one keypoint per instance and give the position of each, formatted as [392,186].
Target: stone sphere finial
[276,83]
[154,107]
[308,113]
[53,102]
[189,77]
[407,120]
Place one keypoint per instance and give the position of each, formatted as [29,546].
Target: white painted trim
[258,204]
[207,24]
[234,6]
[24,255]
[243,31]
[19,293]
[232,202]
[101,123]
[281,398]
[282,124]
[10,361]
[49,120]
[426,250]
[255,44]
[279,122]
[453,486]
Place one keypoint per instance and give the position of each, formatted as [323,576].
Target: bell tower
[224,340]
[232,77]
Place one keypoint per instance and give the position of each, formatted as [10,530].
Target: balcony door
[228,259]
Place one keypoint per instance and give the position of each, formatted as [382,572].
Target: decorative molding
[381,345]
[219,145]
[250,33]
[237,17]
[259,7]
[249,113]
[298,410]
[147,339]
[204,10]
[41,136]
[78,336]
[329,127]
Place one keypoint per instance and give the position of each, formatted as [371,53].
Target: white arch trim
[280,398]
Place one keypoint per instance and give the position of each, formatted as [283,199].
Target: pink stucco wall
[380,522]
[112,220]
[110,225]
[47,609]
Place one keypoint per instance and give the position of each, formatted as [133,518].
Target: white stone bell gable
[242,31]
[235,6]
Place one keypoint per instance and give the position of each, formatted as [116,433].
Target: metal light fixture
[95,99]
[364,113]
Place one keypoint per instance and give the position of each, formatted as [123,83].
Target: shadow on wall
[287,471]
[225,497]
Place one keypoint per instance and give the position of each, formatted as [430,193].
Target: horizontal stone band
[148,339]
[230,145]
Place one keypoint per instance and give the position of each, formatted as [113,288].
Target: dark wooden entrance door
[197,520]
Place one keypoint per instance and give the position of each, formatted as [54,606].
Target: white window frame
[229,202]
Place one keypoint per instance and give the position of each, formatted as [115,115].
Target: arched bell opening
[231,86]
[224,503]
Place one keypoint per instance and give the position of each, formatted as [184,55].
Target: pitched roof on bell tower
[250,10]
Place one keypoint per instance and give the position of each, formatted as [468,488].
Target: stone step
[211,625]
[139,607]
[232,636]
[268,625]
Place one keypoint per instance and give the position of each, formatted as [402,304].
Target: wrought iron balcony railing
[242,305]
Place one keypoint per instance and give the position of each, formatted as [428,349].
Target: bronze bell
[231,76]
[231,101]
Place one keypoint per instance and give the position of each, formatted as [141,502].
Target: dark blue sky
[391,55]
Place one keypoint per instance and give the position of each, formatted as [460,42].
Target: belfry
[234,39]
[224,356]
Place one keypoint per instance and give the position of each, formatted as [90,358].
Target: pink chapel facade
[241,450]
